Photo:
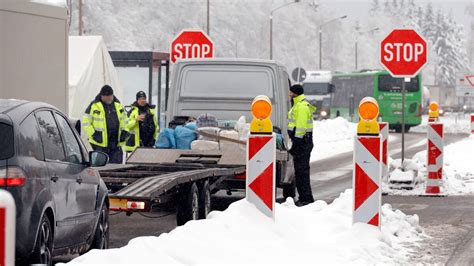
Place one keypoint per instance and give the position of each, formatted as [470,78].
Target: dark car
[61,202]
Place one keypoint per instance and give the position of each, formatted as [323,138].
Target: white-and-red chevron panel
[435,158]
[260,182]
[367,180]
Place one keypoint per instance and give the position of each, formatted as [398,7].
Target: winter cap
[106,91]
[141,94]
[297,89]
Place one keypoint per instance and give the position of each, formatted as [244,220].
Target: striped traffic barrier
[435,158]
[366,180]
[260,183]
[472,123]
[384,139]
[7,228]
[261,157]
[367,171]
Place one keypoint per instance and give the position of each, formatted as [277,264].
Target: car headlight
[324,113]
[441,111]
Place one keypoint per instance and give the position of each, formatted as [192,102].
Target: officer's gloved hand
[296,147]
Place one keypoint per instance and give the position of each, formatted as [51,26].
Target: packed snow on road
[317,233]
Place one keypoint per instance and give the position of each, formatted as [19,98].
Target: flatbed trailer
[150,180]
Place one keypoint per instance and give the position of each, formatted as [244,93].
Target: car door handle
[79,180]
[55,178]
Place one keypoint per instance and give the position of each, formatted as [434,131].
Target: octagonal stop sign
[403,53]
[191,44]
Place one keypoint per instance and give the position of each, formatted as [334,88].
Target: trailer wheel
[188,205]
[205,205]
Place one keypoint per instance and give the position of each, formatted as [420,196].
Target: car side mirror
[98,158]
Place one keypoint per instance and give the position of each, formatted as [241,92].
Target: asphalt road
[449,221]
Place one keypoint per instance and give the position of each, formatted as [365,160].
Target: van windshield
[316,88]
[6,141]
[226,82]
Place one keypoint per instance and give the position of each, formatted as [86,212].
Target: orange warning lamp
[261,111]
[434,110]
[368,113]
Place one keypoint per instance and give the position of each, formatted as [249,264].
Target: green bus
[350,88]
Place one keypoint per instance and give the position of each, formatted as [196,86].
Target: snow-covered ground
[315,234]
[458,170]
[454,123]
[331,137]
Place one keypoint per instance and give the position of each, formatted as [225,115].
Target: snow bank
[458,170]
[454,123]
[331,137]
[315,234]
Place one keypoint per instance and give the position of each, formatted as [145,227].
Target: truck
[185,180]
[34,64]
[318,88]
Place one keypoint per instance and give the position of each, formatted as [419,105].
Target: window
[72,148]
[316,88]
[30,142]
[52,143]
[7,148]
[391,84]
[227,81]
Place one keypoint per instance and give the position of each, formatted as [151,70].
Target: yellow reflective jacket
[133,127]
[95,124]
[300,116]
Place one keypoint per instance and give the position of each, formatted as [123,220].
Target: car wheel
[43,252]
[188,205]
[101,236]
[205,200]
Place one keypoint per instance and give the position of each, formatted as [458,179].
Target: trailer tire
[205,201]
[188,204]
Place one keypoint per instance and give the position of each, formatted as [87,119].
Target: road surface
[449,221]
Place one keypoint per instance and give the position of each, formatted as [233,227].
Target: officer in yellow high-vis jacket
[300,130]
[142,124]
[104,122]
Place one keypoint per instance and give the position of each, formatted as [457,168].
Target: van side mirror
[332,88]
[98,158]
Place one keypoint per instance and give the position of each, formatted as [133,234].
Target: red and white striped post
[7,228]
[261,157]
[260,185]
[367,171]
[383,126]
[472,123]
[435,158]
[367,179]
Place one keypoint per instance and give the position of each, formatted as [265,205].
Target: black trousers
[301,158]
[115,152]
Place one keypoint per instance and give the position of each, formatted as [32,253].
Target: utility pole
[321,38]
[208,18]
[80,18]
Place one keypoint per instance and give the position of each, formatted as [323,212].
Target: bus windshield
[388,83]
[316,88]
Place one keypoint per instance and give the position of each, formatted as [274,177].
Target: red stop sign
[191,44]
[403,53]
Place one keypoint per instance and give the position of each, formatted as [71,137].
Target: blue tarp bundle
[166,139]
[184,135]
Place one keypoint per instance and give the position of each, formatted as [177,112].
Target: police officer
[104,122]
[142,124]
[300,130]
